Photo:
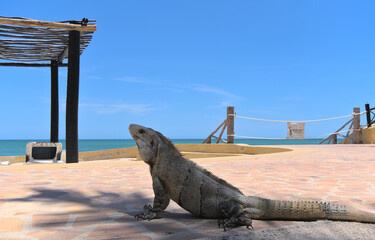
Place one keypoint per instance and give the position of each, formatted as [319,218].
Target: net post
[230,125]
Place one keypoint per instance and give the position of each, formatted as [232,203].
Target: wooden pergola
[32,43]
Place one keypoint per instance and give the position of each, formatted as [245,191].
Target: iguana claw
[147,207]
[234,222]
[250,227]
[225,223]
[235,215]
[146,215]
[149,214]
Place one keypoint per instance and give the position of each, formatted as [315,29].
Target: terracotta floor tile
[50,220]
[116,232]
[90,218]
[55,234]
[71,201]
[11,224]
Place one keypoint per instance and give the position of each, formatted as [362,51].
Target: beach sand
[98,199]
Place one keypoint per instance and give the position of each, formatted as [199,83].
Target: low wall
[368,136]
[230,148]
[188,151]
[13,159]
[131,152]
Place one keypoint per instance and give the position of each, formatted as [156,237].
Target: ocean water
[18,147]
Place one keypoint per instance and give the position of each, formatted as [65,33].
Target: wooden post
[72,98]
[334,139]
[230,125]
[368,115]
[54,136]
[356,126]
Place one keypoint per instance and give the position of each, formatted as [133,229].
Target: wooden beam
[221,133]
[219,139]
[16,64]
[324,139]
[218,128]
[330,139]
[208,139]
[63,55]
[46,24]
[350,127]
[72,98]
[54,136]
[345,137]
[350,121]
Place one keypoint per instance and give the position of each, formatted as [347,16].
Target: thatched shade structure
[32,43]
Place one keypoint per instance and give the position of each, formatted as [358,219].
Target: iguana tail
[305,211]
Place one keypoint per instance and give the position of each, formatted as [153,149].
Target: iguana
[205,195]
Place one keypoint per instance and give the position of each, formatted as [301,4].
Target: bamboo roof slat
[31,40]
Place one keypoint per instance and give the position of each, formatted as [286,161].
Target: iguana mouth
[132,131]
[136,138]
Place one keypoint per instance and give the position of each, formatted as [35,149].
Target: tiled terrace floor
[98,200]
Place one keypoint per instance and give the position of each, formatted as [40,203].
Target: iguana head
[152,144]
[147,141]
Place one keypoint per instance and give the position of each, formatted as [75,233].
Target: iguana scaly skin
[205,195]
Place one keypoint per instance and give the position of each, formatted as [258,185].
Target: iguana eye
[141,131]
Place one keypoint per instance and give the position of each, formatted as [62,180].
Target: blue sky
[175,66]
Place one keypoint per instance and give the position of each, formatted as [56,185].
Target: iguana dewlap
[205,195]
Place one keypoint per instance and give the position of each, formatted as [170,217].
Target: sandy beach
[98,199]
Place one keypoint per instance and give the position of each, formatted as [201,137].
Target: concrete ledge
[188,151]
[13,159]
[130,152]
[230,148]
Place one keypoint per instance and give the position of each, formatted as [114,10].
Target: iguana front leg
[161,202]
[234,215]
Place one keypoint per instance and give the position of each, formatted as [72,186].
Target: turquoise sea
[18,147]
